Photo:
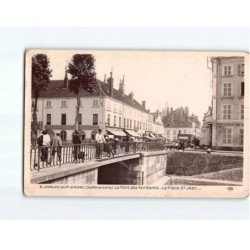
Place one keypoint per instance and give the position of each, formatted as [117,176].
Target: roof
[56,89]
[179,124]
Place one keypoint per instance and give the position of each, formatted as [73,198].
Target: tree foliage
[41,73]
[40,78]
[83,77]
[82,70]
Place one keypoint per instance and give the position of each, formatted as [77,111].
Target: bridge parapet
[47,157]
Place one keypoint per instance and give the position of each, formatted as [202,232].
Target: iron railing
[45,157]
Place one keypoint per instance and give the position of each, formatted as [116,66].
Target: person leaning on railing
[43,142]
[76,144]
[56,147]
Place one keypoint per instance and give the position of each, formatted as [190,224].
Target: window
[127,123]
[241,135]
[140,125]
[242,89]
[227,89]
[63,135]
[95,119]
[48,103]
[124,122]
[227,70]
[120,121]
[48,119]
[95,103]
[134,124]
[63,119]
[242,112]
[227,136]
[130,123]
[227,112]
[83,136]
[64,103]
[114,121]
[108,119]
[93,133]
[240,69]
[80,119]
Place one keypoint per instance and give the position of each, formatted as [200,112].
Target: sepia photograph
[136,123]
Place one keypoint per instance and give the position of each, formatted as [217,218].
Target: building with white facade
[227,115]
[107,108]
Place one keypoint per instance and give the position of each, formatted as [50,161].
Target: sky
[160,78]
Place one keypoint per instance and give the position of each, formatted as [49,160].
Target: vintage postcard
[136,123]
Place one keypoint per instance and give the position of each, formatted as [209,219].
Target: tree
[41,74]
[83,77]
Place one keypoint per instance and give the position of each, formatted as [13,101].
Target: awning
[152,135]
[116,131]
[132,133]
[147,137]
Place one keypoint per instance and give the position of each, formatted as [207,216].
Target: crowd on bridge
[105,146]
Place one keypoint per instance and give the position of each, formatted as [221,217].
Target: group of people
[111,146]
[178,144]
[103,143]
[44,142]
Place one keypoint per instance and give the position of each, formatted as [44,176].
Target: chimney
[167,110]
[131,95]
[110,82]
[171,110]
[186,111]
[144,104]
[181,114]
[66,80]
[122,86]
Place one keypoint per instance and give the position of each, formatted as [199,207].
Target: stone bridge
[141,168]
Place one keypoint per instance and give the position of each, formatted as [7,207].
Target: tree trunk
[34,127]
[77,111]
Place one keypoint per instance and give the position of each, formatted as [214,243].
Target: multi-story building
[107,108]
[227,102]
[179,125]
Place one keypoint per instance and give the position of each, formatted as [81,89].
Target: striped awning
[132,133]
[116,131]
[152,135]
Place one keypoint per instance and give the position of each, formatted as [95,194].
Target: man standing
[45,143]
[100,140]
[57,147]
[77,144]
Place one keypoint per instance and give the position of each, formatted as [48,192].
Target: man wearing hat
[100,140]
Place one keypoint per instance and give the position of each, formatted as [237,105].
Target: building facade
[228,87]
[107,108]
[179,125]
